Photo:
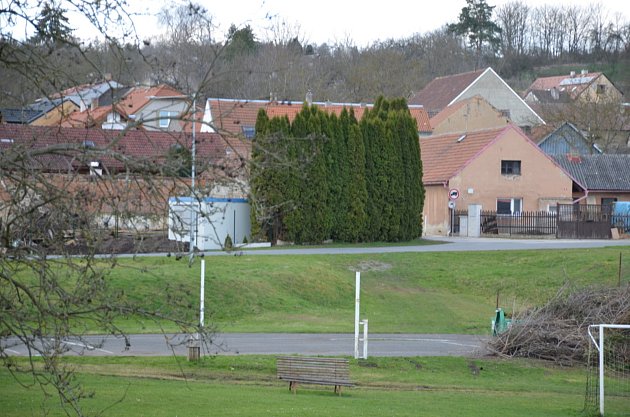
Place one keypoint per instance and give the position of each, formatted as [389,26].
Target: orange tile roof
[139,97]
[87,118]
[231,115]
[436,95]
[443,156]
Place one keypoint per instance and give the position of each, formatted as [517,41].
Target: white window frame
[165,118]
[512,200]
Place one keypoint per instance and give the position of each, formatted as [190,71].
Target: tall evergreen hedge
[333,177]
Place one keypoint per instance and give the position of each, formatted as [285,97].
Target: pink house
[500,169]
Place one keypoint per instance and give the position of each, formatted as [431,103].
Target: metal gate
[584,221]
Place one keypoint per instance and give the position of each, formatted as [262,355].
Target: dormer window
[249,132]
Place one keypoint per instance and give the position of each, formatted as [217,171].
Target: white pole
[356,314]
[202,294]
[601,369]
[365,339]
[193,214]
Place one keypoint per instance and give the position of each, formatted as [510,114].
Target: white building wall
[216,218]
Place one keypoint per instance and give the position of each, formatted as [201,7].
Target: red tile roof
[231,115]
[436,95]
[443,156]
[58,149]
[132,102]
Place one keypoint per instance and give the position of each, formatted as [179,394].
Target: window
[601,88]
[165,118]
[608,201]
[510,167]
[249,132]
[509,205]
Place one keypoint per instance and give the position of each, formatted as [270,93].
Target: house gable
[498,93]
[567,139]
[468,115]
[445,91]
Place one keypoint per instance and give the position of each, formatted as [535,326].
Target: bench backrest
[333,371]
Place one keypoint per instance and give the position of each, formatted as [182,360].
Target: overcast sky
[331,21]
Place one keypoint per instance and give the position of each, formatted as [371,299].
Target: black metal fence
[526,223]
[569,221]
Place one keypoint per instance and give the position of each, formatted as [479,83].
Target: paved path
[451,244]
[333,344]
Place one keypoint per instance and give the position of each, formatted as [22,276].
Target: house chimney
[572,74]
[94,103]
[309,98]
[107,76]
[584,71]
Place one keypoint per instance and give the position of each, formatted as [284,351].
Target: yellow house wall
[611,93]
[55,116]
[435,214]
[477,114]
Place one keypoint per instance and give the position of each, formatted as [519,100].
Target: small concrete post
[474,220]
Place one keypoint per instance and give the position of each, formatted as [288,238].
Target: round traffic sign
[453,193]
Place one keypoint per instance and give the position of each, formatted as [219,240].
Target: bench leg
[293,386]
[338,389]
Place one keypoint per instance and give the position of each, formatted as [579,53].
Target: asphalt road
[450,244]
[331,344]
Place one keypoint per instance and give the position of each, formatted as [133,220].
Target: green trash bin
[499,322]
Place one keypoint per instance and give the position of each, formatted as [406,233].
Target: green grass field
[405,292]
[401,292]
[246,386]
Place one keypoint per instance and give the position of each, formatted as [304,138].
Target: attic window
[461,138]
[88,144]
[6,140]
[601,88]
[510,167]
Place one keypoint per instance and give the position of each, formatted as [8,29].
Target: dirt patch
[367,266]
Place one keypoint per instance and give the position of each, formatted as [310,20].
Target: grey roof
[113,96]
[567,139]
[605,172]
[86,94]
[45,105]
[549,96]
[21,116]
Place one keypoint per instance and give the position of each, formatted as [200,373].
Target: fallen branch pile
[558,330]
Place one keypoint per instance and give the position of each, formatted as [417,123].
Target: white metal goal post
[599,344]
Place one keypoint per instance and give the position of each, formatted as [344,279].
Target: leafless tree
[65,192]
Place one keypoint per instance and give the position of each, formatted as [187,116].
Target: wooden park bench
[313,370]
